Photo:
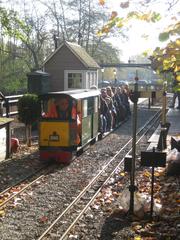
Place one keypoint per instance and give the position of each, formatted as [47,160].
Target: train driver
[63,108]
[58,108]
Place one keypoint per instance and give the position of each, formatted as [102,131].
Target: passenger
[115,103]
[127,89]
[104,111]
[111,106]
[121,112]
[109,92]
[125,100]
[113,89]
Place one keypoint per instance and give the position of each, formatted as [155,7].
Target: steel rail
[28,185]
[95,178]
[21,181]
[23,188]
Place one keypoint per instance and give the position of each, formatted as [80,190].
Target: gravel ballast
[31,213]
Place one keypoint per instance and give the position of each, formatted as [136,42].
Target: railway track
[75,210]
[8,194]
[68,198]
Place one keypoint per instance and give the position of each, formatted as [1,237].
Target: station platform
[173,117]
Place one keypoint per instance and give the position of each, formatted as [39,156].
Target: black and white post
[132,187]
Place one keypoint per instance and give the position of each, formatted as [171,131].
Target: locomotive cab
[69,120]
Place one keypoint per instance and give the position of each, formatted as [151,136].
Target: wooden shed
[71,67]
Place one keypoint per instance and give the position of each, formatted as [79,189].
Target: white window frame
[92,78]
[66,72]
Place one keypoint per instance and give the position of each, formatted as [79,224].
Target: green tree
[13,68]
[11,60]
[78,21]
[11,24]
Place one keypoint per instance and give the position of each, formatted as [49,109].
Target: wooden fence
[8,105]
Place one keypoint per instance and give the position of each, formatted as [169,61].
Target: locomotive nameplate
[54,137]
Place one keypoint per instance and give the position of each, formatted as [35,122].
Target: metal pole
[152,191]
[7,107]
[149,103]
[164,125]
[102,77]
[8,139]
[152,188]
[164,105]
[132,187]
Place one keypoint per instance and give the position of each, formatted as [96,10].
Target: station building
[71,67]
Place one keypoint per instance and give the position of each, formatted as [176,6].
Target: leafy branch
[12,25]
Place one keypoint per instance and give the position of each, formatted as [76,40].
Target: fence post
[7,107]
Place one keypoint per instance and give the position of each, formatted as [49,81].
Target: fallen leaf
[95,206]
[43,219]
[73,236]
[146,174]
[137,238]
[2,213]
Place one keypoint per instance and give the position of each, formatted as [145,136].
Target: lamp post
[115,73]
[102,79]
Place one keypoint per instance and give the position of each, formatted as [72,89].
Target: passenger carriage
[69,120]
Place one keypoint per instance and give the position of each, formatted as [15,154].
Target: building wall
[3,146]
[62,60]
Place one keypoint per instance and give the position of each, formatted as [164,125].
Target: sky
[136,44]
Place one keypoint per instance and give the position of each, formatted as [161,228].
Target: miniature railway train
[70,120]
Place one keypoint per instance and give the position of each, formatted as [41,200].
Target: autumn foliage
[165,59]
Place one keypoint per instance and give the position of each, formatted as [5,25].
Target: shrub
[28,108]
[28,112]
